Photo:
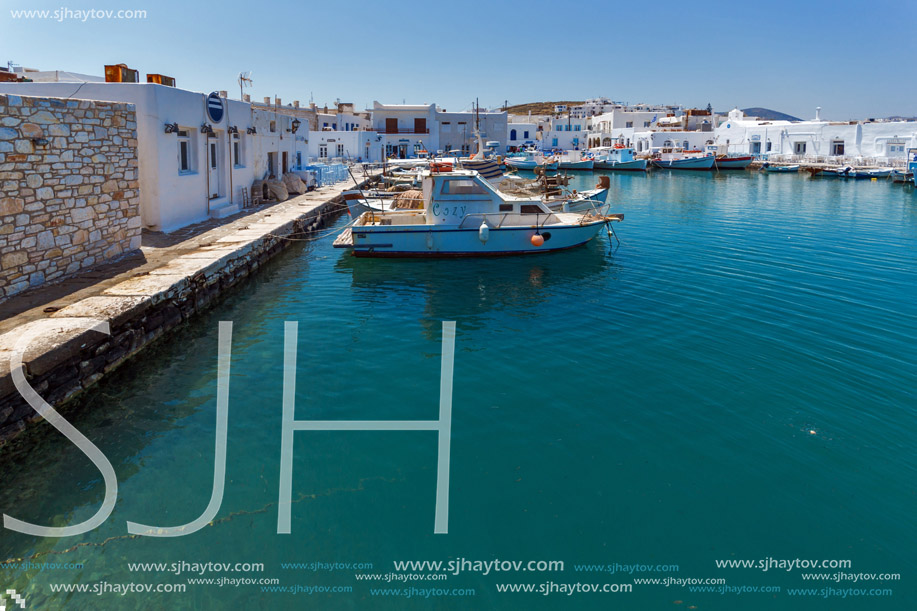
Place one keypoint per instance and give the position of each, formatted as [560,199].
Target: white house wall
[355,145]
[884,142]
[168,199]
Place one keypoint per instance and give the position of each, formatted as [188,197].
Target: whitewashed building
[362,146]
[645,142]
[409,130]
[818,140]
[191,166]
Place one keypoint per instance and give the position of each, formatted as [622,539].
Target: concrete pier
[178,276]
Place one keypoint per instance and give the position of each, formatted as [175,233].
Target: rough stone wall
[69,194]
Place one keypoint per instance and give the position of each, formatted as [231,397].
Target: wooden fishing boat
[776,169]
[618,159]
[685,163]
[733,163]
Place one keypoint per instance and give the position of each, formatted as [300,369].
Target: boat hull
[733,163]
[780,169]
[833,173]
[637,165]
[865,174]
[427,241]
[691,163]
[584,166]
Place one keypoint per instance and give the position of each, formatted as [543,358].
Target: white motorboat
[464,215]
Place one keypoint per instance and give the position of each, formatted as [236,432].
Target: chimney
[223,94]
[247,98]
[267,101]
[277,101]
[818,113]
[295,103]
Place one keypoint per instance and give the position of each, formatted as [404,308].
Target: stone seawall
[68,188]
[64,358]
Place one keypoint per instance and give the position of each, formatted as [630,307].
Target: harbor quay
[171,278]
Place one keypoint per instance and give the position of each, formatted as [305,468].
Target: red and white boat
[733,162]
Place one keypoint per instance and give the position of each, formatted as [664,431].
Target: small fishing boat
[675,158]
[873,173]
[618,159]
[831,172]
[767,166]
[902,176]
[735,162]
[529,160]
[574,160]
[464,215]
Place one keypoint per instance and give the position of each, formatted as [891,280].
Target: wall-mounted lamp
[171,128]
[232,129]
[206,128]
[251,130]
[40,141]
[295,124]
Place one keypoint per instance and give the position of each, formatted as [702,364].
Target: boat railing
[499,218]
[484,216]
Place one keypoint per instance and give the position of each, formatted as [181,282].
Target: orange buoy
[537,240]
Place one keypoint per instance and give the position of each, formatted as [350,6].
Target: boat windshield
[462,186]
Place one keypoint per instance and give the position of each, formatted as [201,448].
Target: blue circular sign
[215,107]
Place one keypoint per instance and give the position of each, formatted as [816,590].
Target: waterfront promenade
[141,297]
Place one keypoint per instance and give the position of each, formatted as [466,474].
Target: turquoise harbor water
[736,381]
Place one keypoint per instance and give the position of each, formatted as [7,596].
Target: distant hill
[769,115]
[538,108]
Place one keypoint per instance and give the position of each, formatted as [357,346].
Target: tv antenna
[245,80]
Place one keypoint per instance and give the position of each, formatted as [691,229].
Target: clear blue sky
[855,59]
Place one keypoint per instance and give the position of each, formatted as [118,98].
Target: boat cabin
[450,197]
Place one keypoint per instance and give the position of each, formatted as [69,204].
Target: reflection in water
[475,288]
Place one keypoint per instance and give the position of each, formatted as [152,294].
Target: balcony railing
[402,130]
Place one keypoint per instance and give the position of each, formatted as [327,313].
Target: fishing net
[409,200]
